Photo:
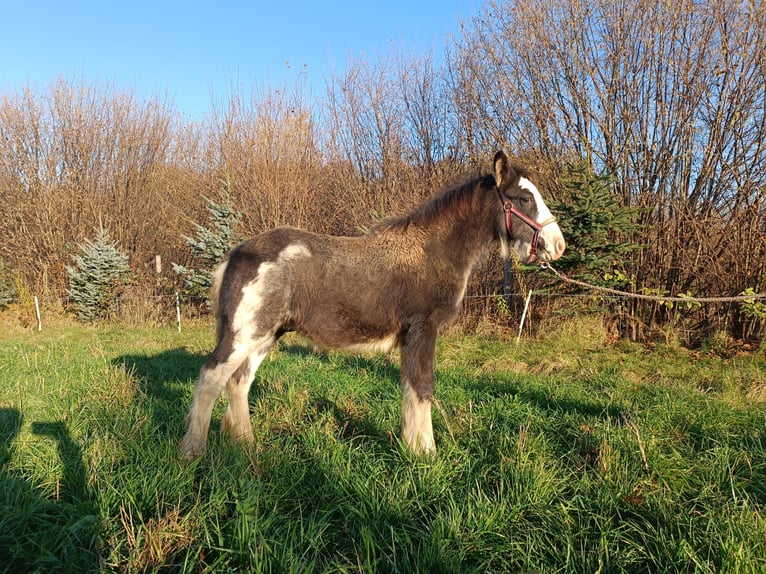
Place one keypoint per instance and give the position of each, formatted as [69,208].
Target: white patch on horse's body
[243,324]
[253,293]
[380,346]
[293,252]
[417,430]
[250,344]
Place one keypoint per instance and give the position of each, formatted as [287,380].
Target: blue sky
[191,51]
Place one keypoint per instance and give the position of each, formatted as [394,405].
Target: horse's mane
[451,200]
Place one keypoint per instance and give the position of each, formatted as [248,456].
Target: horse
[397,285]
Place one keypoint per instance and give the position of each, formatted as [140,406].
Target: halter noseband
[509,209]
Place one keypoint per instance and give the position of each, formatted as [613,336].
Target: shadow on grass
[543,398]
[352,426]
[168,378]
[381,364]
[307,504]
[165,378]
[45,532]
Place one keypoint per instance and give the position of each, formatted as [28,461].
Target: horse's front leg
[418,348]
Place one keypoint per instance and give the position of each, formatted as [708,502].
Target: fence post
[524,316]
[37,314]
[178,311]
[507,282]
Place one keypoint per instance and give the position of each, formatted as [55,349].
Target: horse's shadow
[380,365]
[543,398]
[165,379]
[353,425]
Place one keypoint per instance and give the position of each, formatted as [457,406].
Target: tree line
[664,101]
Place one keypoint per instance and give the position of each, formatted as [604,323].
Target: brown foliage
[671,97]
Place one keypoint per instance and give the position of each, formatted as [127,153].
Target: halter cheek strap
[510,209]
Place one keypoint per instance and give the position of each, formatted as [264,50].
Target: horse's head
[526,224]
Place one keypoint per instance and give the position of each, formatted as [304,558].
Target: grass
[564,454]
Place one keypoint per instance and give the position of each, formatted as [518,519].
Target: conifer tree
[99,273]
[598,228]
[8,292]
[209,245]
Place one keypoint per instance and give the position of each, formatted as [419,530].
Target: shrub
[595,224]
[8,293]
[99,273]
[210,245]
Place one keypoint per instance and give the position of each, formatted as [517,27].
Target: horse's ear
[501,167]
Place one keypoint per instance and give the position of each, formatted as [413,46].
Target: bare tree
[73,157]
[669,96]
[265,145]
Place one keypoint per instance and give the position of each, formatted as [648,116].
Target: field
[565,454]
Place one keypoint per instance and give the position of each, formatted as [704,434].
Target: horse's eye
[525,200]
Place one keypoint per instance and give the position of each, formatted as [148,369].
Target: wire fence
[174,308]
[157,305]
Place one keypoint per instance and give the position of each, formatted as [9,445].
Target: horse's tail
[215,291]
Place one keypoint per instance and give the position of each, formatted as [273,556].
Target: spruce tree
[8,293]
[597,227]
[99,273]
[209,245]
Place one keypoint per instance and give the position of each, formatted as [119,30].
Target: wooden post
[507,282]
[158,270]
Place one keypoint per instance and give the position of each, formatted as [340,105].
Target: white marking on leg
[249,339]
[417,429]
[212,380]
[236,421]
[210,383]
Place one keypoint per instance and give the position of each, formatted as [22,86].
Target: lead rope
[643,297]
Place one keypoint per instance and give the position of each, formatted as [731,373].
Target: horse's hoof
[189,449]
[244,437]
[421,447]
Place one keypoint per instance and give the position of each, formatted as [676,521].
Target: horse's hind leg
[233,369]
[236,421]
[212,378]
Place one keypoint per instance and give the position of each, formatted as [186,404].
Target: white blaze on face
[550,233]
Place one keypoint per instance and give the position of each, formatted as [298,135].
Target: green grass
[564,454]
